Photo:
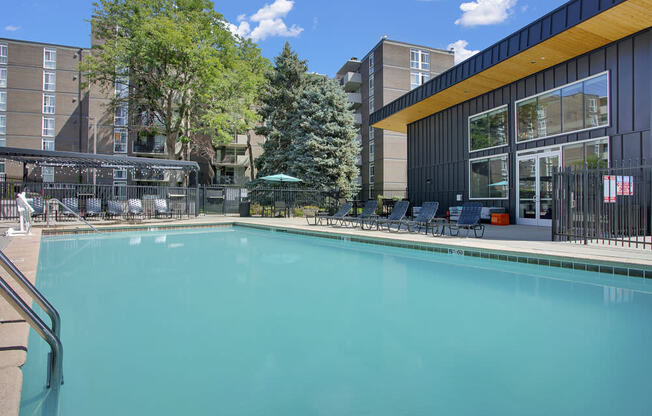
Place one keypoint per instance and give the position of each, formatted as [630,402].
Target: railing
[148,147]
[180,199]
[603,205]
[49,334]
[67,208]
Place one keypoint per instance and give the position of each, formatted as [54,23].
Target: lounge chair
[468,220]
[71,207]
[39,207]
[114,209]
[368,212]
[394,219]
[93,207]
[344,209]
[423,220]
[135,208]
[161,208]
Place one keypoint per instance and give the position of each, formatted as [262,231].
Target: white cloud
[268,21]
[11,28]
[485,12]
[461,53]
[242,29]
[274,27]
[276,10]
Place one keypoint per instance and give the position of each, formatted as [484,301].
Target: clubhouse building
[569,89]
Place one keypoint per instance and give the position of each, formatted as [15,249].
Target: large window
[120,137]
[419,59]
[49,81]
[372,173]
[488,129]
[3,100]
[121,116]
[122,86]
[48,104]
[371,85]
[371,104]
[594,153]
[418,78]
[47,143]
[48,126]
[3,77]
[577,106]
[47,173]
[3,53]
[120,174]
[49,58]
[3,124]
[372,64]
[489,178]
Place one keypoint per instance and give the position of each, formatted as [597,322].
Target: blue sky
[326,33]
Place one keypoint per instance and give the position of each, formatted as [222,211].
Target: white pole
[94,151]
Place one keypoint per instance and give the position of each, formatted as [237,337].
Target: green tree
[279,104]
[188,76]
[324,149]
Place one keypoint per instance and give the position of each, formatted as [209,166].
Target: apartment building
[41,103]
[389,70]
[43,106]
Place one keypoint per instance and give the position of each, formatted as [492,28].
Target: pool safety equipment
[25,211]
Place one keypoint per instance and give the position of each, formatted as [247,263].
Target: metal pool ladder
[51,334]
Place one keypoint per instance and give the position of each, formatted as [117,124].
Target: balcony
[233,160]
[150,145]
[355,99]
[358,160]
[357,119]
[351,81]
[150,175]
[239,140]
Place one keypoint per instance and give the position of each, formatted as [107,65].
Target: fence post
[585,199]
[555,201]
[197,197]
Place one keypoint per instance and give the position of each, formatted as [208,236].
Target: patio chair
[135,208]
[114,209]
[72,207]
[93,207]
[394,219]
[319,219]
[39,207]
[161,208]
[368,212]
[469,220]
[280,208]
[423,220]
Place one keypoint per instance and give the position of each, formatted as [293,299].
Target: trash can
[245,209]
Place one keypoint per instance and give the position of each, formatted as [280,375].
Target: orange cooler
[499,219]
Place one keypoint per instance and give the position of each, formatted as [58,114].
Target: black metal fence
[182,201]
[603,205]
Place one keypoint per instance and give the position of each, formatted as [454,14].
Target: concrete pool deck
[516,239]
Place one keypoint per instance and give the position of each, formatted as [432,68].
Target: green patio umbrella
[280,177]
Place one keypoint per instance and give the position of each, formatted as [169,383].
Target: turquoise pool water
[251,322]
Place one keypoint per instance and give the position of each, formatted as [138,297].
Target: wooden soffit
[615,23]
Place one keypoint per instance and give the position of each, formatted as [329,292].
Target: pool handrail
[72,212]
[32,291]
[55,369]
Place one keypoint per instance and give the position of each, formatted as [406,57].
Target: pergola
[90,160]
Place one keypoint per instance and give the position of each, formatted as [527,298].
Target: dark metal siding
[438,144]
[555,22]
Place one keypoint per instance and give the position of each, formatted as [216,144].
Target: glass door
[535,188]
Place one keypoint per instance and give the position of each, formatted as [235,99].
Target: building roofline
[43,43]
[557,23]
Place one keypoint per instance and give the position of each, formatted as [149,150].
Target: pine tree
[279,105]
[324,149]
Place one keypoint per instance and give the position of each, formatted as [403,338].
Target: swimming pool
[238,321]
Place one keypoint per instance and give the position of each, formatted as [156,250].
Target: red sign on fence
[617,185]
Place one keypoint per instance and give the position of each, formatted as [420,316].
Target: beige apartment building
[43,106]
[389,70]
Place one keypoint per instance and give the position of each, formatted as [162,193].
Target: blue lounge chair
[368,212]
[319,219]
[39,207]
[161,208]
[114,209]
[424,219]
[135,208]
[93,207]
[469,220]
[72,206]
[394,219]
